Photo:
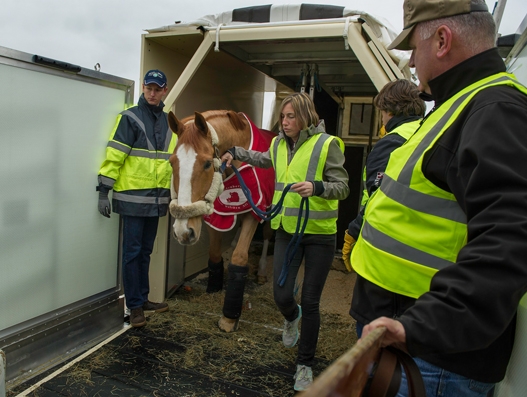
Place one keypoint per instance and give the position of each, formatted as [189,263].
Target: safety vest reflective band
[139,152]
[129,198]
[412,228]
[405,130]
[151,147]
[307,165]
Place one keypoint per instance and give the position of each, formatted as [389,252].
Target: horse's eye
[208,164]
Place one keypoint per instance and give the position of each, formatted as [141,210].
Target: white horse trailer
[515,382]
[249,59]
[60,280]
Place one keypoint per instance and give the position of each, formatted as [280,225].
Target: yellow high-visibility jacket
[136,166]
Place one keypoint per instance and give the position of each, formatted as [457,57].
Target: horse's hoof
[228,324]
[261,280]
[213,289]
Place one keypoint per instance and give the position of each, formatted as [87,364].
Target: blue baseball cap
[155,76]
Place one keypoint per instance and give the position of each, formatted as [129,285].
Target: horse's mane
[218,118]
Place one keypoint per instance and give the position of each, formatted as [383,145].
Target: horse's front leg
[237,276]
[215,281]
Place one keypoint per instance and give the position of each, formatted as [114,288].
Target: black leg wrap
[232,306]
[215,282]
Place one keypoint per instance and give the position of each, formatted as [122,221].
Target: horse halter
[206,206]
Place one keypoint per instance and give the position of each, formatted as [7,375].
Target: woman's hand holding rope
[304,189]
[227,158]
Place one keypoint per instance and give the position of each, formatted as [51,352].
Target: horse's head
[194,186]
[196,158]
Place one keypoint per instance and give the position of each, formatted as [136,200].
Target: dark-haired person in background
[401,111]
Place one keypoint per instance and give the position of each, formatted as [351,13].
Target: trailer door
[60,281]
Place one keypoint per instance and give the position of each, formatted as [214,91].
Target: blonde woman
[312,161]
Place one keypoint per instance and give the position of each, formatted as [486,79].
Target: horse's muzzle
[188,238]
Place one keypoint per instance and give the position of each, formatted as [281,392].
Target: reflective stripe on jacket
[413,228]
[136,164]
[306,165]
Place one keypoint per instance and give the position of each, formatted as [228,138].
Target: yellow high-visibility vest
[405,130]
[412,228]
[307,165]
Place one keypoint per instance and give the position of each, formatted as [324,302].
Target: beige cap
[416,11]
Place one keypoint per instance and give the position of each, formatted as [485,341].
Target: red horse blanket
[259,181]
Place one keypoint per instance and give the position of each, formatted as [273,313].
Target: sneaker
[303,377]
[155,307]
[137,318]
[290,333]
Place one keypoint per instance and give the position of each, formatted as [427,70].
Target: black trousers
[318,250]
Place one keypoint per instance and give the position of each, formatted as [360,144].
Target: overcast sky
[109,32]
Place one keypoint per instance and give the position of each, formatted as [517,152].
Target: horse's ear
[175,125]
[237,120]
[201,123]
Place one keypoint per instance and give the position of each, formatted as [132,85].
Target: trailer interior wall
[60,282]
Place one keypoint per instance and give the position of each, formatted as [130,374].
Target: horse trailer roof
[347,47]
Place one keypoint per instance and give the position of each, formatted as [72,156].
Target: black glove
[104,203]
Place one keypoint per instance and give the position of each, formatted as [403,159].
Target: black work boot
[137,318]
[155,307]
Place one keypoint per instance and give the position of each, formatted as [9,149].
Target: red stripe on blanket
[259,181]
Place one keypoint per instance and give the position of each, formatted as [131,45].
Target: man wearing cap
[136,167]
[441,258]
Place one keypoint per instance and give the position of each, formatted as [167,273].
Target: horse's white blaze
[187,158]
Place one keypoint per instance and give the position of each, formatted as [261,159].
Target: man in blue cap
[136,167]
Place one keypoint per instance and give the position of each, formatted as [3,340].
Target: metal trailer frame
[234,66]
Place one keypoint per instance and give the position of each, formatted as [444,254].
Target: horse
[196,189]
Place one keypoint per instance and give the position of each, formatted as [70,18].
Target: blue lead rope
[273,212]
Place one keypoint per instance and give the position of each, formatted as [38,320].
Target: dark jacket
[466,323]
[376,163]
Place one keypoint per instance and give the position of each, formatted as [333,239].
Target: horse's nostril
[191,234]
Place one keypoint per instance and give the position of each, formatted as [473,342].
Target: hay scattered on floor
[253,356]
[259,334]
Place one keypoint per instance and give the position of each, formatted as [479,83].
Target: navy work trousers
[139,234]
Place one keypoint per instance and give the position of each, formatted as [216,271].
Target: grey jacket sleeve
[253,157]
[335,175]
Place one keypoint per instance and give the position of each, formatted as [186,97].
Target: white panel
[287,12]
[515,382]
[55,248]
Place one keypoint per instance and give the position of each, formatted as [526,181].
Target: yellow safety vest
[307,165]
[406,130]
[412,228]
